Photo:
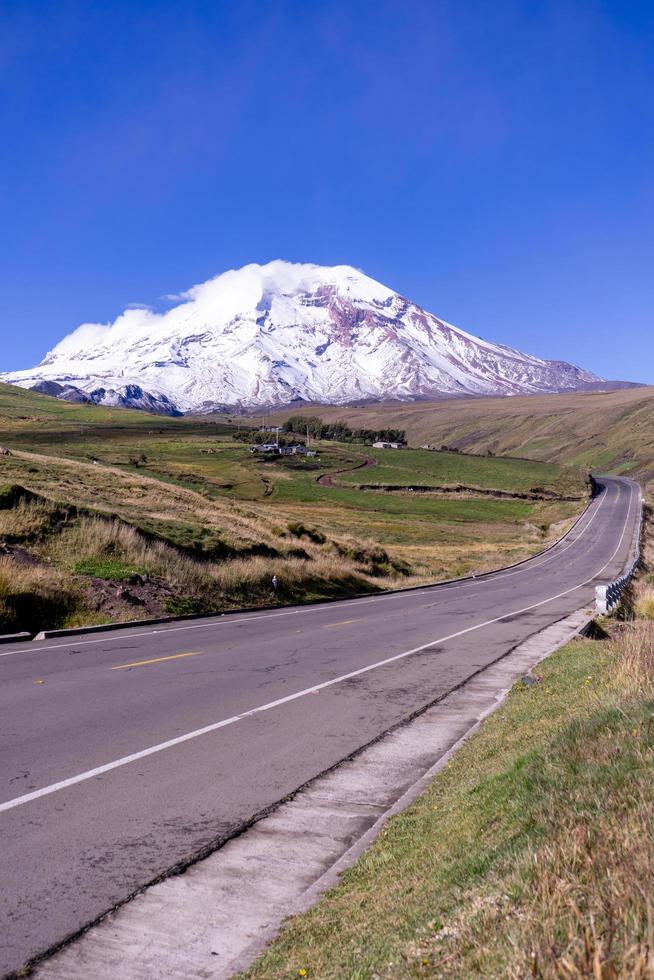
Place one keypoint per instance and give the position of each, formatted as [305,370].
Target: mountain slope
[274,334]
[606,432]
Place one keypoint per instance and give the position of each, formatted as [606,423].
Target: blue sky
[493,161]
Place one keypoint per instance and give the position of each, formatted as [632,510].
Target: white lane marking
[314,689]
[420,592]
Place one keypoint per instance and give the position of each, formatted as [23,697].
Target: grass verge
[529,856]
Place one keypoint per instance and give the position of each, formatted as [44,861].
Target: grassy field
[418,467]
[612,431]
[190,485]
[529,856]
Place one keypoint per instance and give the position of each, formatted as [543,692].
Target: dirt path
[327,479]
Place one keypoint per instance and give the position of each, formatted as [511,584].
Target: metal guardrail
[607,597]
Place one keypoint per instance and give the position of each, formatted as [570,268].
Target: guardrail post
[601,603]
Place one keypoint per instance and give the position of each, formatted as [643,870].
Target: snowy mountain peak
[272,334]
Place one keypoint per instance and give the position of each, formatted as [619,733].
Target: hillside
[115,514]
[280,333]
[611,431]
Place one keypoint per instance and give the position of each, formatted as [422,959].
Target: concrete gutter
[218,916]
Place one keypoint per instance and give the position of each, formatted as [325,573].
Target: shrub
[340,431]
[297,553]
[373,559]
[12,494]
[300,531]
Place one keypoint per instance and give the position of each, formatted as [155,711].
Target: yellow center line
[157,660]
[344,622]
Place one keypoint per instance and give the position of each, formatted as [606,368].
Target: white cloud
[86,335]
[216,301]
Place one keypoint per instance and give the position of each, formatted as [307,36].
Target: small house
[266,447]
[295,450]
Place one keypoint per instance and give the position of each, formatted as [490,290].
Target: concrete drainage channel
[214,919]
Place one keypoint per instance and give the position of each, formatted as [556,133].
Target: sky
[493,160]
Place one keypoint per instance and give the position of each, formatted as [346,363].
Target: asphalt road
[124,754]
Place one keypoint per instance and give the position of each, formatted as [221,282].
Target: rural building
[387,445]
[297,450]
[273,449]
[266,447]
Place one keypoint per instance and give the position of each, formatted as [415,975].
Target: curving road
[125,754]
[329,479]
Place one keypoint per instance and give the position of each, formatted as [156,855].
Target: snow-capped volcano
[268,335]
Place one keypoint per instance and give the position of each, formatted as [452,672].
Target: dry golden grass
[73,554]
[135,497]
[29,521]
[100,539]
[182,515]
[644,602]
[634,659]
[35,597]
[589,912]
[16,578]
[642,591]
